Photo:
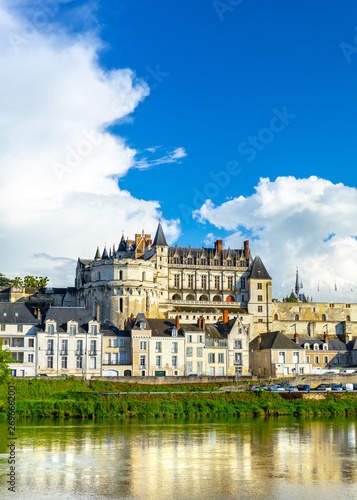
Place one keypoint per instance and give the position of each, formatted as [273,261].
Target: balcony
[64,353]
[93,353]
[143,367]
[216,343]
[49,352]
[79,353]
[217,303]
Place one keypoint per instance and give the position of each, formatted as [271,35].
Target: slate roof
[62,315]
[273,340]
[163,327]
[333,344]
[258,270]
[12,313]
[160,239]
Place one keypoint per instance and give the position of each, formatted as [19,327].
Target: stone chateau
[145,308]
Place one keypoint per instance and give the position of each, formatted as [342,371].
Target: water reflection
[236,458]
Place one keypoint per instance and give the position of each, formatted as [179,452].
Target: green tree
[5,359]
[17,282]
[4,281]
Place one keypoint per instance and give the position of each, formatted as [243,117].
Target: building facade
[148,276]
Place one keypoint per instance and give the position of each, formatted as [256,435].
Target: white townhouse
[70,343]
[18,333]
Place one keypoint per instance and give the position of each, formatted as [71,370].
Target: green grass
[38,398]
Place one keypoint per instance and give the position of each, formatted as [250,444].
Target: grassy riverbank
[75,398]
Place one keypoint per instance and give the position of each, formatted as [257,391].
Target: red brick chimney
[218,246]
[246,249]
[98,312]
[177,322]
[225,318]
[203,324]
[125,324]
[132,321]
[296,337]
[199,322]
[326,337]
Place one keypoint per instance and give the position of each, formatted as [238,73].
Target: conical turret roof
[97,254]
[258,270]
[160,239]
[122,244]
[105,254]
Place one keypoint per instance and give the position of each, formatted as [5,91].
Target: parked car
[256,388]
[336,387]
[42,375]
[292,388]
[323,387]
[304,387]
[347,387]
[276,388]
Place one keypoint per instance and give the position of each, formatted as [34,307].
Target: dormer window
[216,262]
[94,329]
[307,347]
[72,329]
[189,261]
[142,325]
[325,347]
[316,347]
[174,332]
[51,329]
[203,262]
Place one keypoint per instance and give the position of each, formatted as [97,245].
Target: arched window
[323,317]
[230,298]
[120,275]
[275,317]
[348,318]
[296,317]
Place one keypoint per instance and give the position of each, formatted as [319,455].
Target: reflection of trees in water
[189,458]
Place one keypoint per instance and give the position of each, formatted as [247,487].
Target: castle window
[203,282]
[260,309]
[230,282]
[216,282]
[275,317]
[216,262]
[121,305]
[203,262]
[348,306]
[296,317]
[323,317]
[229,262]
[348,318]
[176,261]
[259,286]
[120,275]
[242,281]
[189,261]
[190,280]
[260,298]
[176,280]
[317,360]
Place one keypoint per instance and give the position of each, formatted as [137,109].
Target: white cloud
[309,223]
[169,157]
[59,165]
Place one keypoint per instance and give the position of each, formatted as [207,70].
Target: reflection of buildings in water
[170,460]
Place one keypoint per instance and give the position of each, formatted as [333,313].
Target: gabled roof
[163,328]
[159,239]
[258,271]
[273,340]
[12,313]
[62,315]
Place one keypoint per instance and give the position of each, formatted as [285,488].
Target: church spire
[297,284]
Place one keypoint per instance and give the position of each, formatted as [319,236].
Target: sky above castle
[229,119]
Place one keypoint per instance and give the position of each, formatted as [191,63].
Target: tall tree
[5,359]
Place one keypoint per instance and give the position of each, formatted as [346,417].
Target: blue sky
[243,90]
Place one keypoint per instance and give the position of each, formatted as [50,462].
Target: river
[279,458]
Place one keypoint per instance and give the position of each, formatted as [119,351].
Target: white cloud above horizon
[309,223]
[60,165]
